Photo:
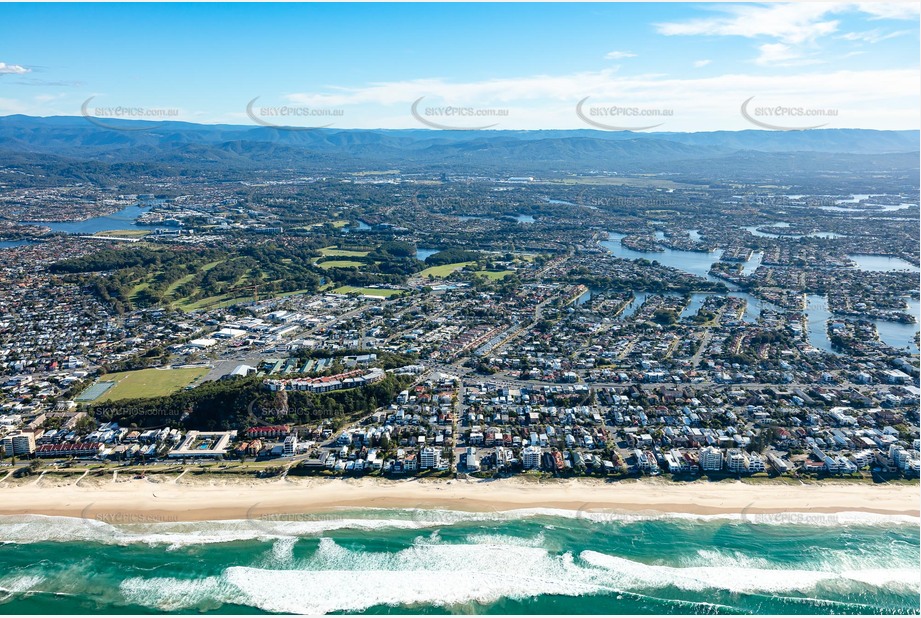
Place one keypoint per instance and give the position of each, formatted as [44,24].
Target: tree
[665,316]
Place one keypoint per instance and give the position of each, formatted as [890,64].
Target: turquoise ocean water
[381,561]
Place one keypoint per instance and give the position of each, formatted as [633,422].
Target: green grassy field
[211,302]
[340,264]
[494,274]
[439,272]
[149,382]
[334,252]
[124,233]
[347,289]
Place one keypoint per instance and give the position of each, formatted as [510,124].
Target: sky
[634,66]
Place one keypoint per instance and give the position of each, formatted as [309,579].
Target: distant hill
[67,141]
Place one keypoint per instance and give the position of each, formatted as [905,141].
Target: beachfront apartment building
[530,457]
[711,459]
[755,463]
[429,457]
[863,458]
[289,448]
[472,461]
[645,461]
[19,443]
[903,459]
[736,461]
[676,461]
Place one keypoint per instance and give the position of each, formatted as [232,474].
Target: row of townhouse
[350,379]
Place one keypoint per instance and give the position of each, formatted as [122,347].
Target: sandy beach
[174,499]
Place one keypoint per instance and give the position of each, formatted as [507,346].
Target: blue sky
[684,67]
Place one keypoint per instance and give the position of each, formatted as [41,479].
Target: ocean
[380,561]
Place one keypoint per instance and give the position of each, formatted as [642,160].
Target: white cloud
[872,36]
[795,27]
[700,63]
[891,10]
[619,55]
[789,23]
[13,69]
[780,55]
[700,103]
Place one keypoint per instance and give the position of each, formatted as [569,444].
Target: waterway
[896,334]
[817,316]
[882,263]
[422,253]
[754,231]
[694,262]
[698,263]
[361,227]
[124,219]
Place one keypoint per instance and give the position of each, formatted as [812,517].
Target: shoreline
[141,500]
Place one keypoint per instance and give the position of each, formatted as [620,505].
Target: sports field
[439,272]
[148,382]
[348,289]
[336,252]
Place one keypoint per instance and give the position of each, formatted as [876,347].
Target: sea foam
[336,578]
[23,529]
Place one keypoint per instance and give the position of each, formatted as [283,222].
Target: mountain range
[82,146]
